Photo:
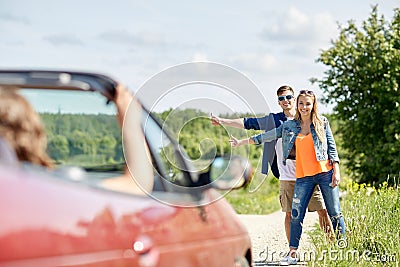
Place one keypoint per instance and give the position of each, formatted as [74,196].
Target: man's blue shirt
[266,123]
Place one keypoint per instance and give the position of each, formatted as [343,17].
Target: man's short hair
[284,88]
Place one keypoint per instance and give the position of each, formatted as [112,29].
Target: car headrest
[7,154]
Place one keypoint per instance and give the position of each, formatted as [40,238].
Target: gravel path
[268,236]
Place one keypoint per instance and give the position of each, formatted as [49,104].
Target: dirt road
[268,236]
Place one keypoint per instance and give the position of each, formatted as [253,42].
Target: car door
[51,221]
[206,230]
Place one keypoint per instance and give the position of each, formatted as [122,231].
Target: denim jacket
[289,130]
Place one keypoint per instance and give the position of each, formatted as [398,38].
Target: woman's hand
[123,98]
[336,175]
[138,176]
[235,142]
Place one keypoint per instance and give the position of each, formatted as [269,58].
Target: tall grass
[261,197]
[372,217]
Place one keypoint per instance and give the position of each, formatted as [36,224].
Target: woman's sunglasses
[306,92]
[283,97]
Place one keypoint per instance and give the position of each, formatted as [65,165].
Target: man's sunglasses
[283,97]
[306,92]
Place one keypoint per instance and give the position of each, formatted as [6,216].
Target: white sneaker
[288,261]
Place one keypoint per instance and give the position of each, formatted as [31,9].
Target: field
[373,235]
[372,217]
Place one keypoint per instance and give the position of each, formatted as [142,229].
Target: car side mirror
[230,173]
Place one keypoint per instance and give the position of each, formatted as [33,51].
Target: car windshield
[81,127]
[82,131]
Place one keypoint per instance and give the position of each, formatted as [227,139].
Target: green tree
[118,150]
[106,146]
[58,148]
[82,143]
[363,78]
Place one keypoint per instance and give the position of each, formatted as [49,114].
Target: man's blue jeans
[303,190]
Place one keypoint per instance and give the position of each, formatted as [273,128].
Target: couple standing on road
[306,162]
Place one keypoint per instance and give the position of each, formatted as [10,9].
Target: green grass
[260,197]
[372,219]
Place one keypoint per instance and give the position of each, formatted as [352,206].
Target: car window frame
[186,167]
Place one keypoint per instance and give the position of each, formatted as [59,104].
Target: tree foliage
[84,140]
[93,140]
[362,79]
[201,140]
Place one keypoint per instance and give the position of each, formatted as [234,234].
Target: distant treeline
[201,140]
[83,139]
[88,140]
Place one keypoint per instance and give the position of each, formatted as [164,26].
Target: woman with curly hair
[22,129]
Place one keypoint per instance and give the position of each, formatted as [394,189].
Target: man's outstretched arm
[236,123]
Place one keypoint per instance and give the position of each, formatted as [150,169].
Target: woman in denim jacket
[308,138]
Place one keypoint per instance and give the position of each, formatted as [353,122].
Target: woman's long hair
[22,128]
[316,119]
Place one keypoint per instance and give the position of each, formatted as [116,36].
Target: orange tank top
[306,159]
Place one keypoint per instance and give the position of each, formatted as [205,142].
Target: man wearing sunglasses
[285,173]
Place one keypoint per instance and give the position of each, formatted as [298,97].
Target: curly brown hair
[21,127]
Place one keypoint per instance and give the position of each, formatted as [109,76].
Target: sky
[272,43]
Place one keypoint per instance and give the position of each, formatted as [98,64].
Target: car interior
[7,154]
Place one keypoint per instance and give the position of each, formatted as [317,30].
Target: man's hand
[236,123]
[215,120]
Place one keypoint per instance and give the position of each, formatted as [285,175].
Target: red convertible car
[64,217]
